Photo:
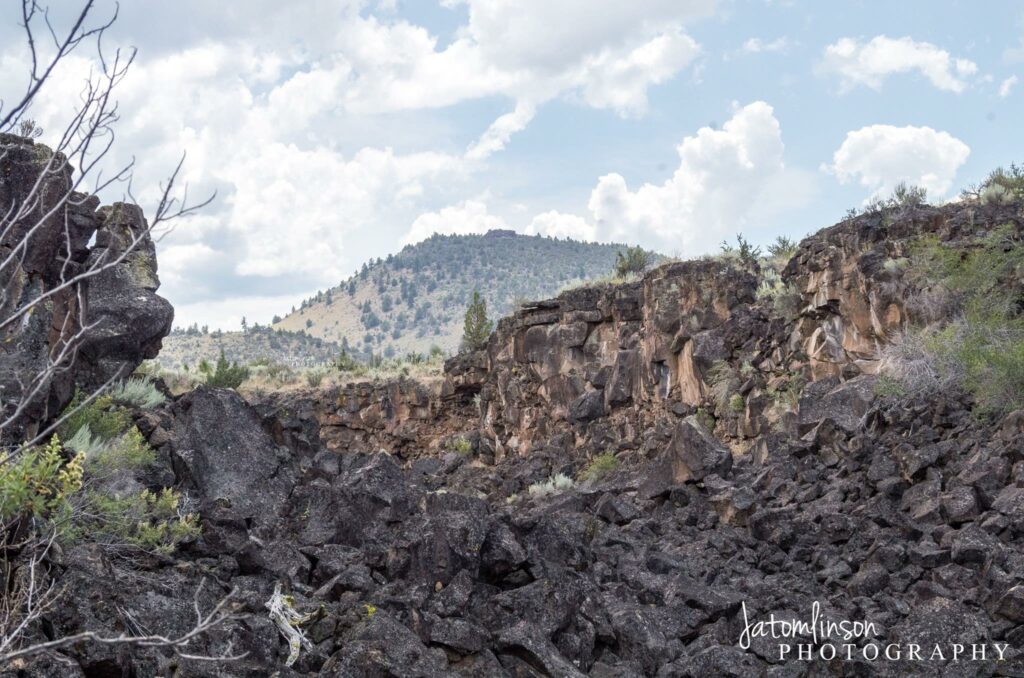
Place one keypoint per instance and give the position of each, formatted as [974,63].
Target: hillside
[295,349]
[417,298]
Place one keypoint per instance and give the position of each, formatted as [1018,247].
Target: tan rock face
[603,367]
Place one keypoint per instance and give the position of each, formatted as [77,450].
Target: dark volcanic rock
[125,318]
[221,451]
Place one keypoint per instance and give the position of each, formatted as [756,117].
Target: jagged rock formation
[63,235]
[401,513]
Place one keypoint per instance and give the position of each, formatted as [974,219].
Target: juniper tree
[633,260]
[477,327]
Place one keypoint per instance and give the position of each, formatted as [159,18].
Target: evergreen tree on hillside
[477,328]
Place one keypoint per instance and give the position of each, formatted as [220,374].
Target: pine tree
[477,327]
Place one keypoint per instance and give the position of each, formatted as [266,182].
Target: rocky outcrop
[607,366]
[856,294]
[62,234]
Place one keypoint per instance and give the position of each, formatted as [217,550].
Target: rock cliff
[102,325]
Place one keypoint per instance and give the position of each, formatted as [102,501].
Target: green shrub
[747,253]
[887,385]
[85,442]
[736,403]
[346,363]
[982,347]
[461,445]
[632,261]
[104,419]
[152,522]
[141,393]
[1000,187]
[62,494]
[38,482]
[903,195]
[555,484]
[705,418]
[599,467]
[227,375]
[907,195]
[782,248]
[128,451]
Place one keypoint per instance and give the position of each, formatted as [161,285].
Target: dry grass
[265,377]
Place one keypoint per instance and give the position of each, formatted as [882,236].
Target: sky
[338,131]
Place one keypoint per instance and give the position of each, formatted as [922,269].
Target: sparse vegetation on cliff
[970,329]
[632,261]
[477,326]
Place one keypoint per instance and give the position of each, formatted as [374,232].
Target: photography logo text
[818,637]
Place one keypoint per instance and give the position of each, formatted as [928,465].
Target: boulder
[225,458]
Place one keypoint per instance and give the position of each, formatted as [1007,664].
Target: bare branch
[205,622]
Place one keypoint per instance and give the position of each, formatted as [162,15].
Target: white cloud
[559,225]
[557,35]
[757,45]
[1006,86]
[721,177]
[620,81]
[333,198]
[726,177]
[466,218]
[501,130]
[880,156]
[870,63]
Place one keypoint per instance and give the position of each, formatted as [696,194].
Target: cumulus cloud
[556,224]
[1006,86]
[725,178]
[880,156]
[757,45]
[721,177]
[465,218]
[869,64]
[619,81]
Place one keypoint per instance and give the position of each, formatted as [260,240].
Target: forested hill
[417,298]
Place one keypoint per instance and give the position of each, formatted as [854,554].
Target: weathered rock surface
[48,246]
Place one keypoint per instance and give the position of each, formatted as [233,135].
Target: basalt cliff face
[598,366]
[94,271]
[757,472]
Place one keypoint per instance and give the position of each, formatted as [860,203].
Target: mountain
[418,297]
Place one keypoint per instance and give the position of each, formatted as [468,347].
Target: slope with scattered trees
[417,298]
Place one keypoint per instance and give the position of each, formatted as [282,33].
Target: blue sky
[339,130]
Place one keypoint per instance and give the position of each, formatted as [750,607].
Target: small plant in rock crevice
[137,392]
[599,467]
[556,484]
